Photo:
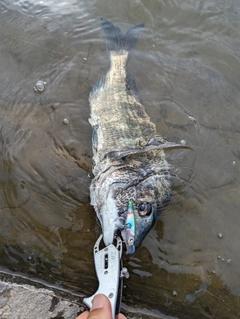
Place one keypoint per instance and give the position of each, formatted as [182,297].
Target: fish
[132,179]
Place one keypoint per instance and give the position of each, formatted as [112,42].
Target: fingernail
[98,301]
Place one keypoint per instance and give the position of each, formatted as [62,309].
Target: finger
[83,315]
[101,308]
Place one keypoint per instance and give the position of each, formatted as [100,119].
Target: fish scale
[119,123]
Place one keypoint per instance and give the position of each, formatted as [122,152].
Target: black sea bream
[132,181]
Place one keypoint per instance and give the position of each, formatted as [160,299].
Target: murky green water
[186,66]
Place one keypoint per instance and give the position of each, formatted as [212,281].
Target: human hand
[101,309]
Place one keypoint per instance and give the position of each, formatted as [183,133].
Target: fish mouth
[118,229]
[117,219]
[111,228]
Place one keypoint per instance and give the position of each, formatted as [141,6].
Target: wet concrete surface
[24,300]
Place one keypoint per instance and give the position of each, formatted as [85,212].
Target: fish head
[128,204]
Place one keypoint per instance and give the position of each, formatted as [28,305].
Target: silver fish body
[129,163]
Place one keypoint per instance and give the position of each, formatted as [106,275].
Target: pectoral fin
[117,155]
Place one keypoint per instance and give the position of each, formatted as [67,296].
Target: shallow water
[186,66]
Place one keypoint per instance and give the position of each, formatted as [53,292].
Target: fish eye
[144,209]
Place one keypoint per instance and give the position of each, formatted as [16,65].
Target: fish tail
[118,42]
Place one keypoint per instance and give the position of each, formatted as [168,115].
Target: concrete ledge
[21,301]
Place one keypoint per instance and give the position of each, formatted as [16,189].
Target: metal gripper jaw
[109,272]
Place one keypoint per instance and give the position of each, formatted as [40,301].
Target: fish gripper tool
[110,273]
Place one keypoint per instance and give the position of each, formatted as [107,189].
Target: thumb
[101,308]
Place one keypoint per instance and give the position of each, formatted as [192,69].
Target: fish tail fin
[118,42]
